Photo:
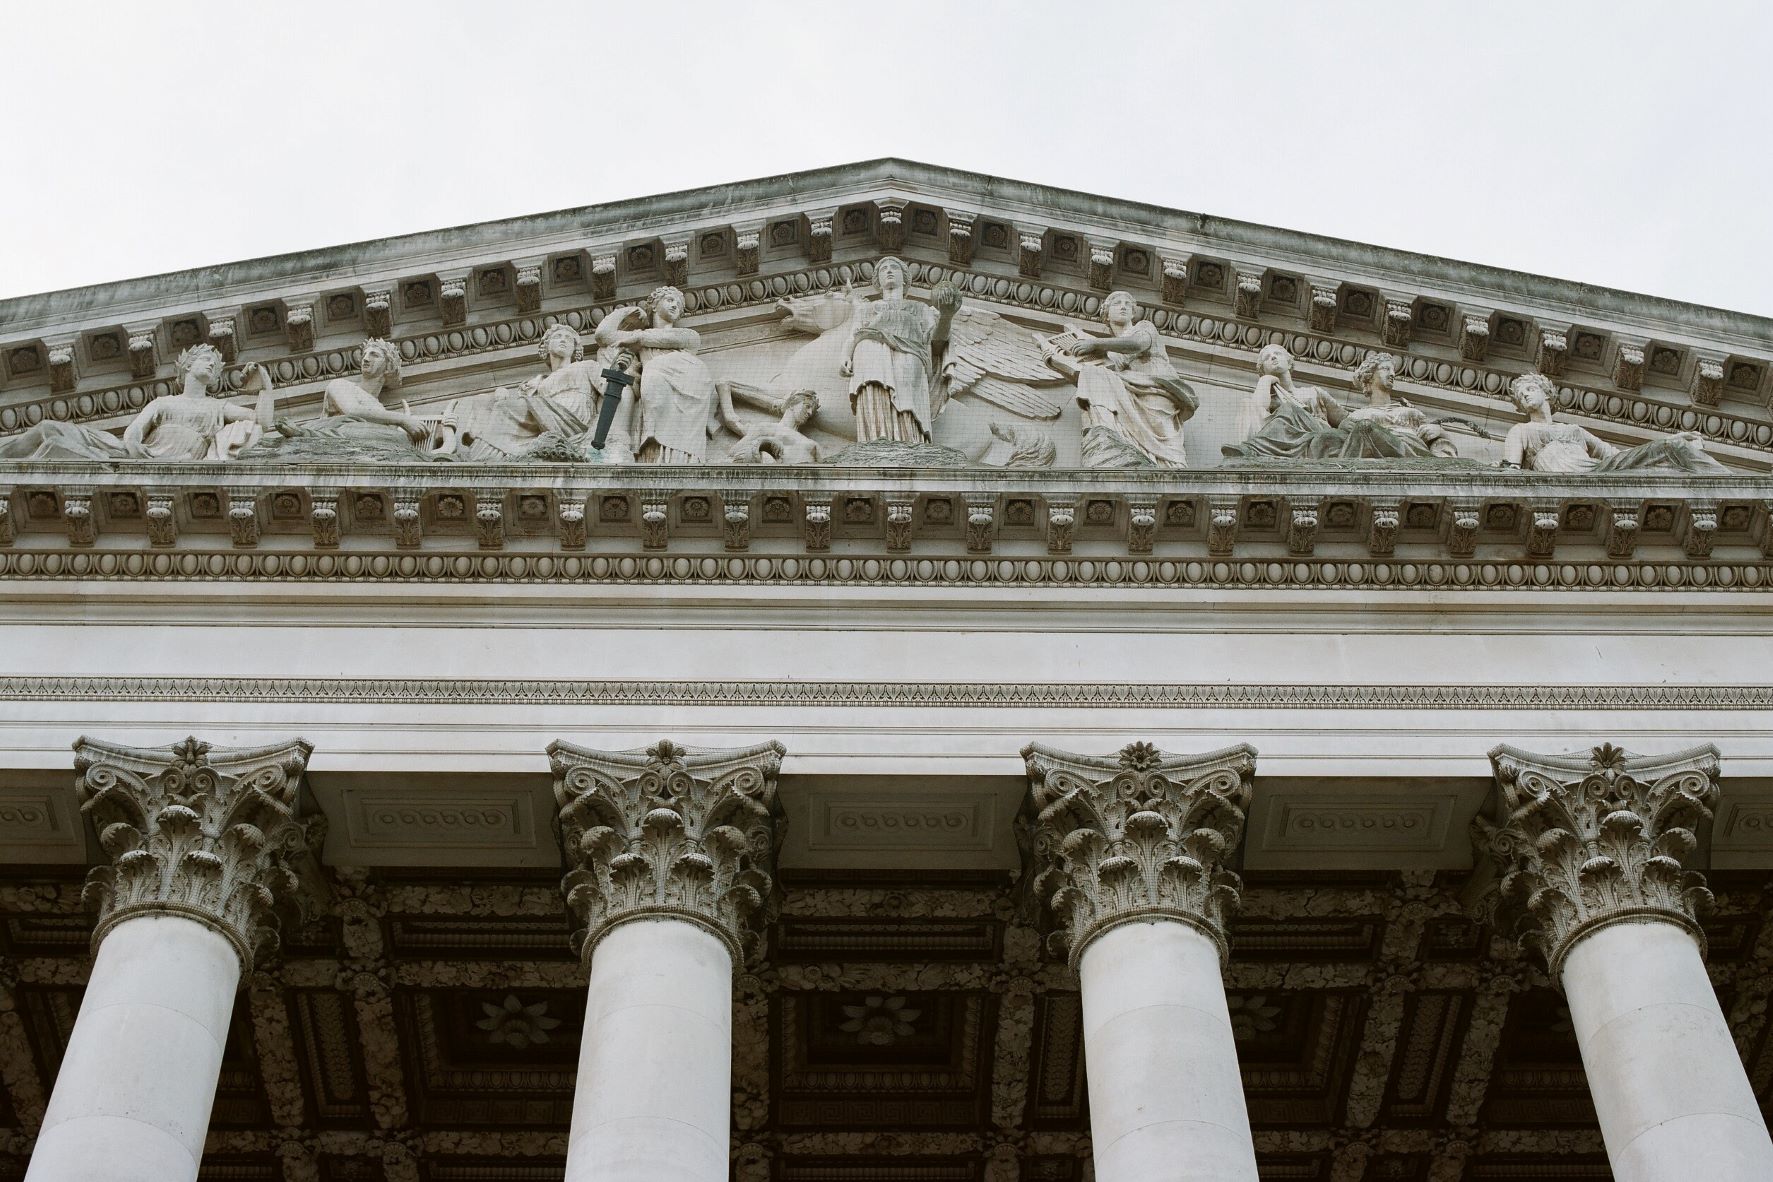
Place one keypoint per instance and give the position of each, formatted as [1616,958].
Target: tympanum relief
[888,378]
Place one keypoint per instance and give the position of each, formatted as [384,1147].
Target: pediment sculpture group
[900,361]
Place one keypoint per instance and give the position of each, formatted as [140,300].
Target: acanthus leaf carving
[817,529]
[323,517]
[529,288]
[1137,836]
[1175,268]
[1141,525]
[1325,298]
[1622,534]
[1221,527]
[667,832]
[1062,520]
[1302,530]
[574,532]
[1582,841]
[981,512]
[243,517]
[1247,294]
[898,526]
[213,834]
[603,277]
[77,517]
[298,325]
[736,519]
[655,526]
[407,528]
[1382,530]
[378,313]
[1702,528]
[163,528]
[960,237]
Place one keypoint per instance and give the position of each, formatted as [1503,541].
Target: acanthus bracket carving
[1382,529]
[77,517]
[243,517]
[1141,835]
[1061,520]
[1554,347]
[1325,301]
[736,519]
[667,832]
[1247,294]
[378,312]
[960,237]
[162,527]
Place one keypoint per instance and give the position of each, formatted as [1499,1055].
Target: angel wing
[992,359]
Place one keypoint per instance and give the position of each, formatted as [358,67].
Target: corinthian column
[202,841]
[1591,851]
[669,852]
[1130,852]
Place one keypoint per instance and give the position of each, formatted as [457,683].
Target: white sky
[1624,143]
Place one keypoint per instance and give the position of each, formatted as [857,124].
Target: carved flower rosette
[667,832]
[1582,843]
[1139,836]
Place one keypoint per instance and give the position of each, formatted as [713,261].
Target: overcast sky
[1619,142]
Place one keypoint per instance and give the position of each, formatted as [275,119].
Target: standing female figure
[891,363]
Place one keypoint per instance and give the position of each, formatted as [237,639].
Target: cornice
[886,695]
[837,185]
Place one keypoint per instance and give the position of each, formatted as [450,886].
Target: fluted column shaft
[670,851]
[1130,854]
[201,844]
[1591,850]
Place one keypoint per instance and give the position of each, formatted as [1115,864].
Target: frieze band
[887,694]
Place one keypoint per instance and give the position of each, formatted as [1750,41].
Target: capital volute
[667,832]
[1137,836]
[1585,840]
[213,834]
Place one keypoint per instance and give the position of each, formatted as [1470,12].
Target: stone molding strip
[885,694]
[398,567]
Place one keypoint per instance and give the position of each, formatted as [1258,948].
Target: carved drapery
[1138,835]
[680,832]
[1582,841]
[213,834]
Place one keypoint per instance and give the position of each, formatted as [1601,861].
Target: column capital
[667,832]
[213,834]
[1139,835]
[1586,840]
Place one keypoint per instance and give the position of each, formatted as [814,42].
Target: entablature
[1248,526]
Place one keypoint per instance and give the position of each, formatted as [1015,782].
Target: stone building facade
[883,675]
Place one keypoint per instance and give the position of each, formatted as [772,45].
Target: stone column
[202,842]
[670,851]
[1591,851]
[1130,852]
